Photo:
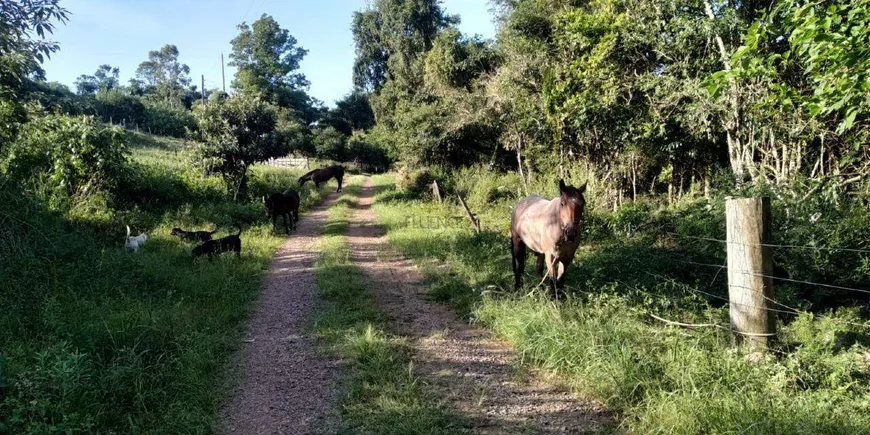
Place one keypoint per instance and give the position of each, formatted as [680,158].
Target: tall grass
[603,342]
[94,338]
[383,395]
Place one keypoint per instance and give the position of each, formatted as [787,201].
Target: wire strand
[797,281]
[771,245]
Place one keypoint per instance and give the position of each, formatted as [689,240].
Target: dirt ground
[284,385]
[475,373]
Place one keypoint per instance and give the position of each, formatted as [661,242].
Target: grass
[603,343]
[383,395]
[94,338]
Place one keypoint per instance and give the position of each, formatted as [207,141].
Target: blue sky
[121,32]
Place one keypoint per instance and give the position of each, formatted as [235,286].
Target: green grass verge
[94,338]
[604,344]
[382,394]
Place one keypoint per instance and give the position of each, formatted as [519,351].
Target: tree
[105,79]
[329,143]
[391,36]
[86,85]
[236,132]
[21,54]
[351,113]
[267,59]
[163,75]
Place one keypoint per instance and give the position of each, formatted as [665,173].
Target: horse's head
[571,205]
[302,180]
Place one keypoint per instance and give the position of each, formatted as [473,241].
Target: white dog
[136,242]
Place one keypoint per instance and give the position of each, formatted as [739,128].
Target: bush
[416,182]
[366,155]
[73,155]
[164,120]
[116,107]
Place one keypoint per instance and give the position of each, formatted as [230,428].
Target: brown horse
[550,229]
[323,175]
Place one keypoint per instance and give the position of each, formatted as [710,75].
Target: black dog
[196,236]
[283,204]
[225,244]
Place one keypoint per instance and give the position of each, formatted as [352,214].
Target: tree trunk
[736,152]
[520,163]
[634,177]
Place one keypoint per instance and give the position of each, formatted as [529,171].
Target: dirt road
[465,365]
[284,385]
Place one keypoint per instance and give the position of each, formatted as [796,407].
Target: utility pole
[223,79]
[203,87]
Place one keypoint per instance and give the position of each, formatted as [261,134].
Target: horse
[550,229]
[323,175]
[283,204]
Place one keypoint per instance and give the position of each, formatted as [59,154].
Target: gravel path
[465,365]
[284,385]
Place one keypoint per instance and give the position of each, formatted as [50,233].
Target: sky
[122,32]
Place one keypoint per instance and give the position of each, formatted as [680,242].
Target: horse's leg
[561,268]
[286,227]
[339,183]
[518,251]
[540,266]
[552,270]
[273,222]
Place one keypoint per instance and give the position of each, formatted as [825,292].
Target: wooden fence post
[436,191]
[750,268]
[475,222]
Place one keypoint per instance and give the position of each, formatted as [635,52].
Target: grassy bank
[382,394]
[94,338]
[603,342]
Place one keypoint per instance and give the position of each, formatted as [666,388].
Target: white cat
[135,242]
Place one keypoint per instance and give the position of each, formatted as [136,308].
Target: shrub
[367,155]
[416,182]
[72,154]
[116,107]
[164,120]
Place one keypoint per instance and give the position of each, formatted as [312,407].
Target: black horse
[323,175]
[283,204]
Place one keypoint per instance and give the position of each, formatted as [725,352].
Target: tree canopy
[267,58]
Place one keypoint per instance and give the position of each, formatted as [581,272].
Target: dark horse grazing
[283,204]
[323,175]
[550,229]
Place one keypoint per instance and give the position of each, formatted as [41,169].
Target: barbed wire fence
[763,274]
